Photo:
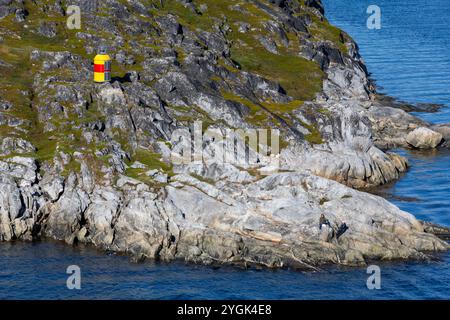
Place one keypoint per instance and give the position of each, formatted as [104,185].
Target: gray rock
[111,94]
[268,44]
[11,206]
[5,105]
[52,186]
[315,4]
[244,27]
[22,168]
[158,176]
[141,229]
[424,138]
[47,29]
[66,215]
[21,15]
[444,130]
[138,165]
[392,125]
[11,145]
[101,216]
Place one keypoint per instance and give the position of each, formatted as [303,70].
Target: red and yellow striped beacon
[102,66]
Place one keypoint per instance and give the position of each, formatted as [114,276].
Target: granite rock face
[93,163]
[272,222]
[196,74]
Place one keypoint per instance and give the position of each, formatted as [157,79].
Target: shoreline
[216,212]
[430,257]
[111,277]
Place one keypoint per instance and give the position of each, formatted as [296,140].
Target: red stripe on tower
[99,68]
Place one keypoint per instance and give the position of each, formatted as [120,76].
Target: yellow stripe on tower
[99,76]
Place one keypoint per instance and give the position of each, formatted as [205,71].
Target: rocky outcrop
[273,222]
[184,80]
[393,127]
[92,163]
[440,231]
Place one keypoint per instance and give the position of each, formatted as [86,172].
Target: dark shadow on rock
[408,107]
[124,79]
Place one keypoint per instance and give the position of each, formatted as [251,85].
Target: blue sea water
[409,56]
[409,59]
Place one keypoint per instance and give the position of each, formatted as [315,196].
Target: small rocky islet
[91,163]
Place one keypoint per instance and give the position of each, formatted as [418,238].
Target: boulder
[424,138]
[443,129]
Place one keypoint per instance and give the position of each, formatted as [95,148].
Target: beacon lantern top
[102,50]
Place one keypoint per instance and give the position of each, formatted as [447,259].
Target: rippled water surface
[37,271]
[409,58]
